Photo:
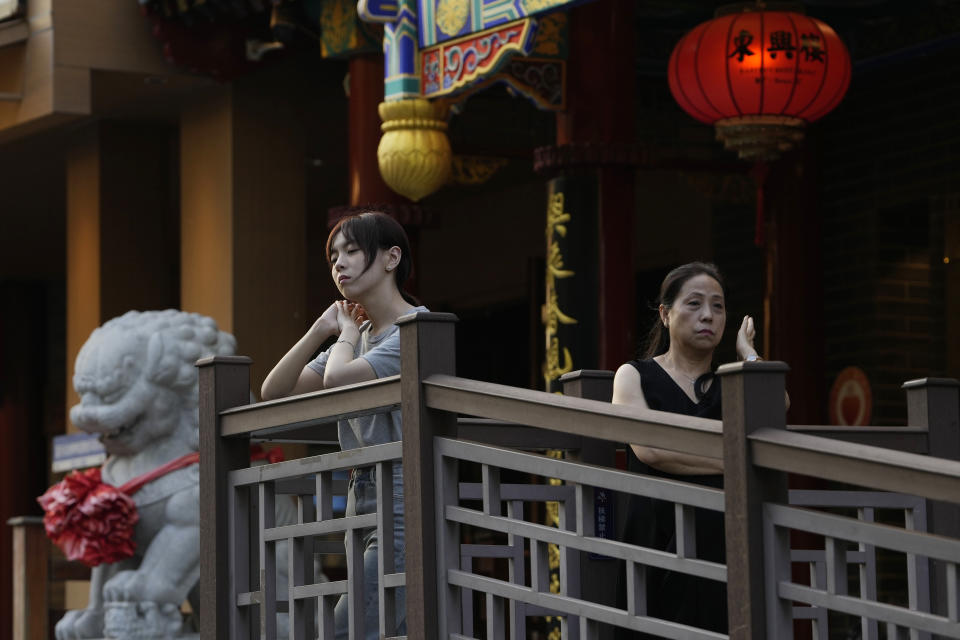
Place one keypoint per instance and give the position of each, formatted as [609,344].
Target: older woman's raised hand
[745,338]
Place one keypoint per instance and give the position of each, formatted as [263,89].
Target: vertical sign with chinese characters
[569,312]
[553,317]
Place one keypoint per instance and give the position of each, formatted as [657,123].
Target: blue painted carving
[413,25]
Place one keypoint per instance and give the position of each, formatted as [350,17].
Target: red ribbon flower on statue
[92,522]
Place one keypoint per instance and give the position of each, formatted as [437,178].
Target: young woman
[676,375]
[369,256]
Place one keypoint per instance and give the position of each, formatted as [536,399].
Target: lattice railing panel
[258,540]
[849,540]
[508,601]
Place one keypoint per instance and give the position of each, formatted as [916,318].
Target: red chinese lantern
[759,76]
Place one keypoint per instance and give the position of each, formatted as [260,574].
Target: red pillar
[794,287]
[366,93]
[599,121]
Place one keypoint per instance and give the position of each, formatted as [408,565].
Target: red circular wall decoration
[851,401]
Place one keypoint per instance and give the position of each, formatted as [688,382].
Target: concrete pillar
[121,228]
[83,249]
[243,216]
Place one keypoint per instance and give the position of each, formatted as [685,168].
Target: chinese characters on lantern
[781,41]
[811,46]
[742,43]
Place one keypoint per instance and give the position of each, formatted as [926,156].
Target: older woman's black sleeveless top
[651,523]
[663,394]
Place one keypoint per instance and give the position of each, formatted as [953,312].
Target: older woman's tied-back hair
[372,231]
[658,338]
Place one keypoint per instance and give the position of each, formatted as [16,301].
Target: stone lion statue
[137,384]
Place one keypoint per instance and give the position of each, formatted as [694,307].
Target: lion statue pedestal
[143,621]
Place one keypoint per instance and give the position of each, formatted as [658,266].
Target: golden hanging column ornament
[414,153]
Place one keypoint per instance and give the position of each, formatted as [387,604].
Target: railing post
[595,384]
[30,560]
[753,398]
[427,347]
[224,383]
[592,384]
[935,403]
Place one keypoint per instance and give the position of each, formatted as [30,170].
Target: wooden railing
[753,440]
[30,574]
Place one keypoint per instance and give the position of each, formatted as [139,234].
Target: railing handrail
[912,439]
[278,416]
[792,451]
[853,463]
[579,416]
[871,430]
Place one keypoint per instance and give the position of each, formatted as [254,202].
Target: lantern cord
[760,172]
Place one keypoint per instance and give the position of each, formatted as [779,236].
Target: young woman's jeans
[361,499]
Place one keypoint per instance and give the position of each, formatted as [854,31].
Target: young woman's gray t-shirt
[383,354]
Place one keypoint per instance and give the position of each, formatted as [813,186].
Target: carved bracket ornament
[539,76]
[436,47]
[474,170]
[452,65]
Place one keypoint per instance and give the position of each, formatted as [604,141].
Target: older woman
[676,375]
